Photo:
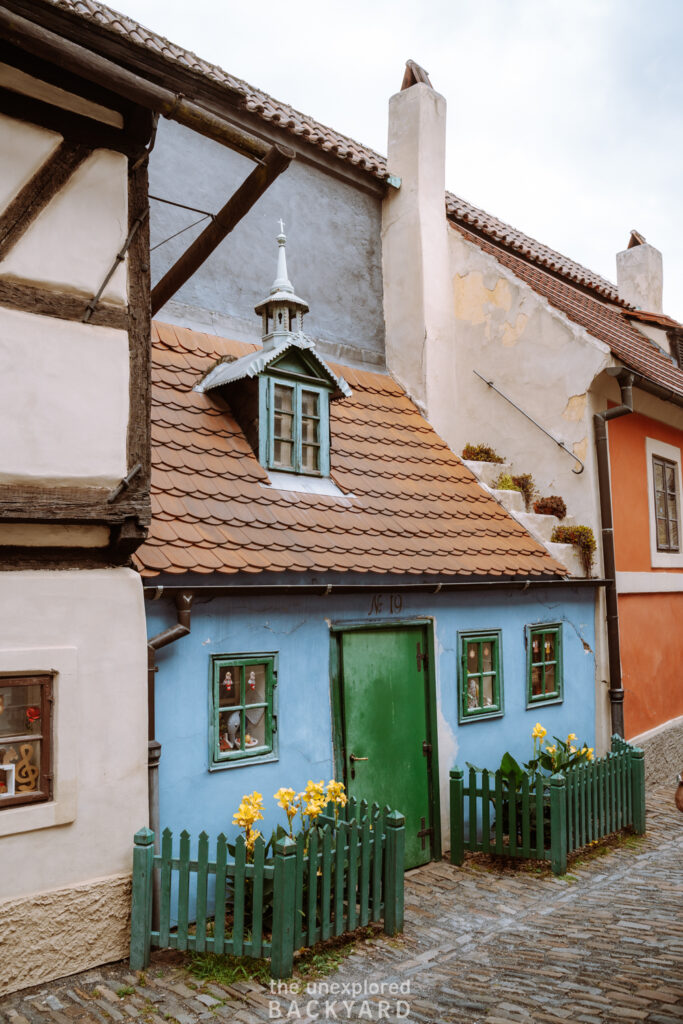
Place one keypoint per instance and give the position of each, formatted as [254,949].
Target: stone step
[568,556]
[541,527]
[488,472]
[513,501]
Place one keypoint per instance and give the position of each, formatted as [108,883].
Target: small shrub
[553,505]
[525,483]
[583,540]
[504,482]
[480,453]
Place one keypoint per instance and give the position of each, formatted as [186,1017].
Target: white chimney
[640,274]
[417,288]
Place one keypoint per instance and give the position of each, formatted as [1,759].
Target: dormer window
[298,426]
[280,395]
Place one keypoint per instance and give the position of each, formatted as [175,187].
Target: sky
[564,118]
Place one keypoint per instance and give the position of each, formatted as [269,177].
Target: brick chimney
[640,274]
[417,288]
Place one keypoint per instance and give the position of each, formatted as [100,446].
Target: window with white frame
[664,498]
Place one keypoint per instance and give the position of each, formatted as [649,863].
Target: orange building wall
[651,635]
[650,625]
[630,501]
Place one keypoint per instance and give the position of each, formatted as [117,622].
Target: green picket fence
[350,874]
[548,818]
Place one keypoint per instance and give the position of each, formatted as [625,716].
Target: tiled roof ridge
[342,146]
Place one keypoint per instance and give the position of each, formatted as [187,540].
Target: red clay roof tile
[412,507]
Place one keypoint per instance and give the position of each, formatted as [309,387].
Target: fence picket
[299,920]
[485,813]
[362,811]
[472,809]
[526,821]
[365,872]
[457,800]
[351,805]
[165,893]
[238,897]
[219,913]
[499,812]
[612,792]
[540,817]
[589,803]
[353,875]
[377,864]
[512,815]
[339,877]
[183,889]
[257,897]
[312,901]
[202,879]
[326,883]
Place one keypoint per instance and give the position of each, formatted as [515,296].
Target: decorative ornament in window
[25,739]
[480,676]
[544,663]
[244,717]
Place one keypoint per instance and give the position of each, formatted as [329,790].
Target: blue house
[331,592]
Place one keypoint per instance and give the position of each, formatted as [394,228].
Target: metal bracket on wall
[560,444]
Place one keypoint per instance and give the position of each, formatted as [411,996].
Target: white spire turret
[283,310]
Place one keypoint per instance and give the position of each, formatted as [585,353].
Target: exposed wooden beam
[222,224]
[70,505]
[30,298]
[37,193]
[74,127]
[83,62]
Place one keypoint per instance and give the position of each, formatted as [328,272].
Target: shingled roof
[409,506]
[585,297]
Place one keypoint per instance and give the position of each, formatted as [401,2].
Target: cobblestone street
[605,943]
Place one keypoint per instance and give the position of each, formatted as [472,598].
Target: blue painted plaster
[298,629]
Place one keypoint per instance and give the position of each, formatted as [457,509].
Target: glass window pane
[536,647]
[283,452]
[536,680]
[673,536]
[671,507]
[229,687]
[487,656]
[256,677]
[230,730]
[549,647]
[283,398]
[473,694]
[670,478]
[487,687]
[662,538]
[283,425]
[310,403]
[659,475]
[26,766]
[660,503]
[310,457]
[309,431]
[20,710]
[550,678]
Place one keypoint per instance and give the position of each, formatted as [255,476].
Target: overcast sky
[564,118]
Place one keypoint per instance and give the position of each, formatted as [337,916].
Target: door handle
[352,758]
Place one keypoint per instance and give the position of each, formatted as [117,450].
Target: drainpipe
[183,603]
[616,691]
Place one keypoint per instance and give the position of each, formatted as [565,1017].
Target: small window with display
[244,717]
[25,739]
[544,664]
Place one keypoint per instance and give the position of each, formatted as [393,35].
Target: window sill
[302,484]
[468,719]
[30,817]
[243,762]
[543,702]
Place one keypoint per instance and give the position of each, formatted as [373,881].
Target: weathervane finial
[282,226]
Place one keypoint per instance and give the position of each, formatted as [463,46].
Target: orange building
[645,458]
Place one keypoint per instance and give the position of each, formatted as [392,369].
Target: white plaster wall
[73,241]
[100,615]
[64,414]
[23,149]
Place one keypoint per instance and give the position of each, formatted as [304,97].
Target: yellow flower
[285,798]
[572,736]
[572,750]
[538,732]
[551,749]
[249,810]
[589,753]
[315,790]
[335,793]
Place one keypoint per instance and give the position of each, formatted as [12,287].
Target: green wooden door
[385,693]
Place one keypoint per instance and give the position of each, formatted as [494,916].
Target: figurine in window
[472,695]
[251,681]
[227,682]
[233,733]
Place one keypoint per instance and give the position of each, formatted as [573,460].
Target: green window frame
[297,436]
[544,663]
[243,709]
[480,677]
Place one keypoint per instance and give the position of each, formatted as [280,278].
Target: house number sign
[391,603]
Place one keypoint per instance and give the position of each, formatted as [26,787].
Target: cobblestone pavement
[604,944]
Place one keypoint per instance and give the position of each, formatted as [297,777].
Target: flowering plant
[249,812]
[310,804]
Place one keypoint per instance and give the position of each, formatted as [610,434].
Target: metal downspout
[616,691]
[183,603]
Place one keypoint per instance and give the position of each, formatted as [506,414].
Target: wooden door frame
[337,629]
